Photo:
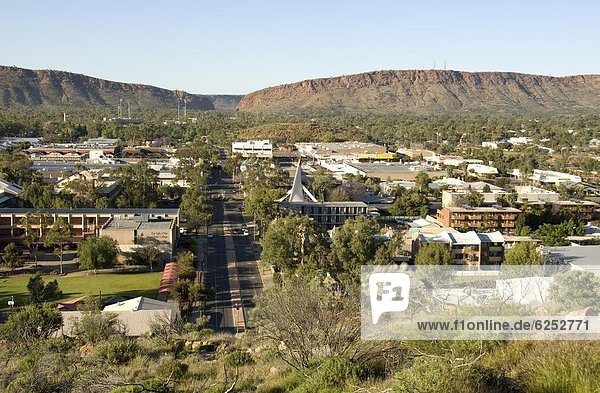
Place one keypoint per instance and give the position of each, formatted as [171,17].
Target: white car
[210,235]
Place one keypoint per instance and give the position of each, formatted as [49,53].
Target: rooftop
[583,257]
[91,211]
[139,304]
[483,209]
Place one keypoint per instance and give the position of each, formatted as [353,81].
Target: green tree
[38,195]
[195,209]
[39,292]
[355,243]
[260,203]
[32,236]
[524,253]
[186,293]
[98,253]
[574,290]
[289,241]
[30,324]
[146,256]
[422,181]
[11,258]
[139,185]
[321,184]
[59,236]
[409,203]
[434,254]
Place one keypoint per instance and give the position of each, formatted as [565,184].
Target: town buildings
[299,200]
[470,248]
[94,222]
[342,151]
[494,218]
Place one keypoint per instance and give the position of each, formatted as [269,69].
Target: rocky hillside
[432,91]
[23,87]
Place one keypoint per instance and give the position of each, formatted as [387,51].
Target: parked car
[210,235]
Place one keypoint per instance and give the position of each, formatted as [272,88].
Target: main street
[231,267]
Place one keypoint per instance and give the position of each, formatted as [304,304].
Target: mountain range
[411,91]
[432,91]
[49,88]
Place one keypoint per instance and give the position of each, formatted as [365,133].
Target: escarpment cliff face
[48,88]
[431,91]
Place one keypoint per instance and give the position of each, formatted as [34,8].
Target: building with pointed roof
[299,200]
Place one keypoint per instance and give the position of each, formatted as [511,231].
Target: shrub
[116,350]
[238,358]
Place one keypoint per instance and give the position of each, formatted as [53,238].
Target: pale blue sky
[239,46]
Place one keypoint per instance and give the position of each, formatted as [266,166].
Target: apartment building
[470,248]
[574,208]
[494,218]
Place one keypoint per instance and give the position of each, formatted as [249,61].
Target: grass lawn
[128,285]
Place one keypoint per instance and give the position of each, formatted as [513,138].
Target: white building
[519,140]
[258,148]
[481,169]
[527,194]
[341,151]
[552,177]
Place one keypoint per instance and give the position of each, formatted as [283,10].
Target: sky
[235,47]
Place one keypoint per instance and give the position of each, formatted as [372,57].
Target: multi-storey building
[495,218]
[574,208]
[83,222]
[261,148]
[470,248]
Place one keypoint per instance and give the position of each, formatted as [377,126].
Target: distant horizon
[292,82]
[236,46]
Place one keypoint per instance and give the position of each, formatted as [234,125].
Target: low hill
[432,91]
[49,88]
[299,132]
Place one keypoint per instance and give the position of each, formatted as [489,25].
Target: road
[231,267]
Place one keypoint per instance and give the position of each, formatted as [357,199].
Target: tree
[574,290]
[147,256]
[30,324]
[37,195]
[556,235]
[260,203]
[354,243]
[321,184]
[434,254]
[422,181]
[11,257]
[138,182]
[186,293]
[32,236]
[98,253]
[94,326]
[195,209]
[289,241]
[409,203]
[304,321]
[40,292]
[524,253]
[59,236]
